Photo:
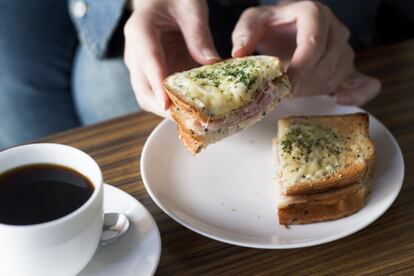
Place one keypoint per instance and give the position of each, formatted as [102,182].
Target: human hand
[314,45]
[163,37]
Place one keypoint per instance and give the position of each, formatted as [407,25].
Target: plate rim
[145,152]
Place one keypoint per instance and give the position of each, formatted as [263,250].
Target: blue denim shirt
[95,21]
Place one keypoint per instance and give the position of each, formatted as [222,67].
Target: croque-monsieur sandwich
[214,101]
[323,167]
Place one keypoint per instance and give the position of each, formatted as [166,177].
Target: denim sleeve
[95,21]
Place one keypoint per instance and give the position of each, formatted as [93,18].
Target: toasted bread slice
[323,206]
[215,101]
[323,153]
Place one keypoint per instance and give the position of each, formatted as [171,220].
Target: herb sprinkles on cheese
[310,151]
[225,86]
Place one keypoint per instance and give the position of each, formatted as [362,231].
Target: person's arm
[315,45]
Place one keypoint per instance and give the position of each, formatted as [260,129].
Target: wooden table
[386,246]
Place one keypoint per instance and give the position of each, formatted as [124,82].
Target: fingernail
[210,55]
[353,83]
[241,42]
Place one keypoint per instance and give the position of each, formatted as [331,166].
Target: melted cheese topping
[309,152]
[225,86]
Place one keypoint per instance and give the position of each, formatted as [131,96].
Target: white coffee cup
[58,247]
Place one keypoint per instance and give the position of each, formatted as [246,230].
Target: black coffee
[42,192]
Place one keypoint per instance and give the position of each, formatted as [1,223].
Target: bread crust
[195,142]
[192,141]
[324,206]
[354,171]
[201,115]
[340,200]
[180,102]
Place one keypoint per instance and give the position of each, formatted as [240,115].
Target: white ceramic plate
[227,192]
[138,252]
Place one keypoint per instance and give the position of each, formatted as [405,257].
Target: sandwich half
[324,166]
[215,101]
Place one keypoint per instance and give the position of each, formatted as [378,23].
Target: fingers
[145,97]
[142,88]
[322,60]
[358,90]
[338,61]
[311,39]
[144,58]
[334,66]
[193,22]
[144,53]
[341,77]
[312,26]
[248,31]
[327,75]
[145,34]
[337,68]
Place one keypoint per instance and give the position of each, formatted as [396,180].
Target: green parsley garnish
[308,138]
[245,72]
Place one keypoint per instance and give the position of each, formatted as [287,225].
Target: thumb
[193,22]
[248,31]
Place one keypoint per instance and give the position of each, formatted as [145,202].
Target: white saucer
[227,192]
[138,252]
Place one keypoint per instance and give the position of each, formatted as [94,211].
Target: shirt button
[79,8]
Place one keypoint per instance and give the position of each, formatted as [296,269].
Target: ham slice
[263,99]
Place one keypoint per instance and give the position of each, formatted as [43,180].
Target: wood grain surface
[384,247]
